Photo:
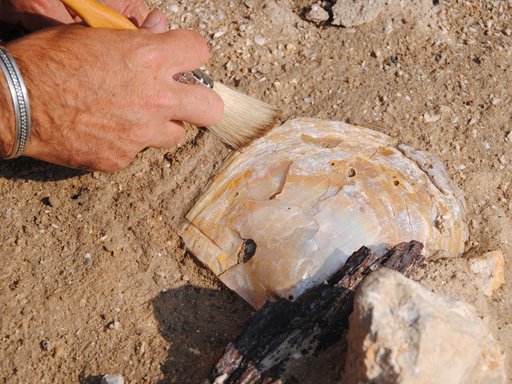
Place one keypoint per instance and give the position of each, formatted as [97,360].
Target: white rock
[259,40]
[218,34]
[112,379]
[431,117]
[495,100]
[402,333]
[351,13]
[489,270]
[317,14]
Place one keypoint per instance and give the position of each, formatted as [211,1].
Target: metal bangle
[20,102]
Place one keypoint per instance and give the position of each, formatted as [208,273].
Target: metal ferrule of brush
[195,77]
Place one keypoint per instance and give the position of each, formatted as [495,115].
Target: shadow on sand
[30,169]
[198,323]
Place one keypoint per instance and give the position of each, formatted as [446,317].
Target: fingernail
[153,19]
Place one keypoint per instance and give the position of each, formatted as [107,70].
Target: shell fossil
[286,212]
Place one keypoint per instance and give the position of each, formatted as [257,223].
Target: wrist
[20,103]
[7,118]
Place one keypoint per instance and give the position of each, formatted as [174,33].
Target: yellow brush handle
[98,15]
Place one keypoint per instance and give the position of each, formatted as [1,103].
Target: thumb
[155,22]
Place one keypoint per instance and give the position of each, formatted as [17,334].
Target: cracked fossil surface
[285,213]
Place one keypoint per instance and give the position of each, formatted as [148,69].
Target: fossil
[287,211]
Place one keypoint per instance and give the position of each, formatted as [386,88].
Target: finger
[37,15]
[156,22]
[135,10]
[171,134]
[191,48]
[197,105]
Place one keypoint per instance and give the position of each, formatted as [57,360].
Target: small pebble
[45,345]
[486,145]
[308,100]
[113,325]
[112,379]
[377,55]
[509,136]
[317,14]
[229,65]
[431,117]
[87,258]
[218,34]
[503,159]
[444,109]
[8,212]
[495,100]
[48,201]
[259,40]
[195,351]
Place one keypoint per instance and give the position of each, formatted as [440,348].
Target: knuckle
[192,40]
[201,46]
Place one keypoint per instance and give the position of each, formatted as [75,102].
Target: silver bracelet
[20,102]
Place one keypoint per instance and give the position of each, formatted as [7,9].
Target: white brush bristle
[245,118]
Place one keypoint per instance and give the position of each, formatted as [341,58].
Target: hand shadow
[29,169]
[198,323]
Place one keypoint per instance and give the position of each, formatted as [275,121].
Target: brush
[245,118]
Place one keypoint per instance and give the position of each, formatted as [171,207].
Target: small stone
[112,379]
[8,213]
[173,8]
[229,65]
[218,34]
[377,55]
[503,159]
[490,271]
[113,325]
[509,136]
[431,117]
[495,100]
[48,201]
[308,100]
[259,40]
[508,32]
[445,110]
[317,14]
[486,145]
[87,258]
[45,345]
[195,351]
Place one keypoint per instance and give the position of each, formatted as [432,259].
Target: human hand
[99,96]
[37,14]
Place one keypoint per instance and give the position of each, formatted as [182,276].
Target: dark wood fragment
[282,330]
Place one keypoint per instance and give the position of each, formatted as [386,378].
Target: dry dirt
[94,278]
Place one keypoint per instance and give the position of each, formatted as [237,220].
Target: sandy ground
[94,278]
